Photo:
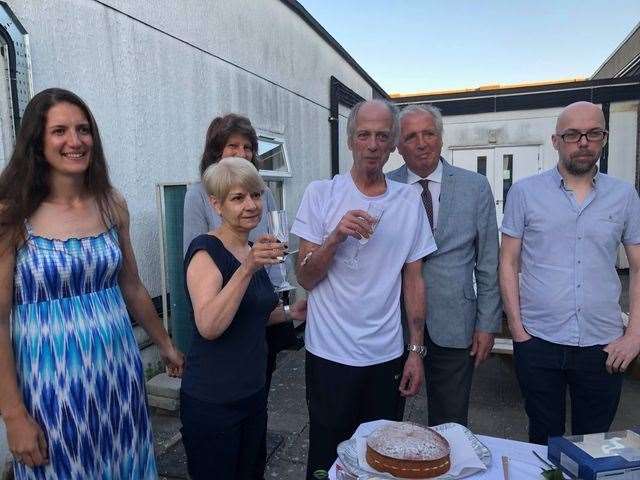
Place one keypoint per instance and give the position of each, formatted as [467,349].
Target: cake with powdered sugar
[408,450]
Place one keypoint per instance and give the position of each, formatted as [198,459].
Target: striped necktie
[427,201]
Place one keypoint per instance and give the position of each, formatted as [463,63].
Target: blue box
[611,456]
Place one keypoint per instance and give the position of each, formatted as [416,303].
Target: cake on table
[408,450]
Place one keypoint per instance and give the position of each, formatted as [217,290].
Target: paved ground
[496,409]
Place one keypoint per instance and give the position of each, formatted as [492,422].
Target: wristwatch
[306,259]
[286,309]
[419,349]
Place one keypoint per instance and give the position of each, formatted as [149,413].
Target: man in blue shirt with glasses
[561,231]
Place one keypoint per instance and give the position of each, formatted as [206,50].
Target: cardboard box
[611,456]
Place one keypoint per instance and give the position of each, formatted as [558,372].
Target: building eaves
[296,7]
[519,89]
[482,88]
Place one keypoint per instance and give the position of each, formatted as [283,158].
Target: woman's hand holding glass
[267,250]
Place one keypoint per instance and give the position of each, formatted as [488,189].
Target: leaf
[553,474]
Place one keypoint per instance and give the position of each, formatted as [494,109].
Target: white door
[501,165]
[512,164]
[481,160]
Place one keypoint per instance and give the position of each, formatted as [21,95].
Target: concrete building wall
[156,72]
[535,127]
[623,124]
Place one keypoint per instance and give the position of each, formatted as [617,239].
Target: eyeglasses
[591,136]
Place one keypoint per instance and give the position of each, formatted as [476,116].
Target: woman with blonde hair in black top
[223,397]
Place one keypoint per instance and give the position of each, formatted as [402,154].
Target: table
[523,465]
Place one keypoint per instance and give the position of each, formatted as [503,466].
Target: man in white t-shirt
[354,269]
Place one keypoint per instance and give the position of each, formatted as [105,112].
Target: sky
[425,45]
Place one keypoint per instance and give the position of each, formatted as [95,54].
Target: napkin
[464,460]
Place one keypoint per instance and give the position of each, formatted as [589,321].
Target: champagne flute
[279,228]
[374,210]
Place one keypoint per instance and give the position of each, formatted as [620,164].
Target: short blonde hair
[218,179]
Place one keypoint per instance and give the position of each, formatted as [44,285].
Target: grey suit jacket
[467,240]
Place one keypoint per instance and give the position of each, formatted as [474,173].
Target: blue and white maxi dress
[77,361]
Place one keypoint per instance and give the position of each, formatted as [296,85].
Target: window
[273,164]
[507,173]
[482,165]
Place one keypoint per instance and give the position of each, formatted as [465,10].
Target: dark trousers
[224,441]
[279,337]
[448,374]
[341,397]
[546,369]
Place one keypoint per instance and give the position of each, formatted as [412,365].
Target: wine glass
[374,210]
[279,228]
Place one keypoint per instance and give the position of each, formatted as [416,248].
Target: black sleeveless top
[233,366]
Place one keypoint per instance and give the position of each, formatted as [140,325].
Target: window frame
[282,142]
[276,175]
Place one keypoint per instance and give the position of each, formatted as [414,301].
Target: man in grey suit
[460,206]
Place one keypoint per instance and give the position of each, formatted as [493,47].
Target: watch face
[419,349]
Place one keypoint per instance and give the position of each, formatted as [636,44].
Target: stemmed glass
[279,228]
[375,210]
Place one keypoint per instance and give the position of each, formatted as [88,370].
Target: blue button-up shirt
[569,287]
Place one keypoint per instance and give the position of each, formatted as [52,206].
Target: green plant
[153,370]
[551,472]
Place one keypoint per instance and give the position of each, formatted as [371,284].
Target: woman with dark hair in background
[73,394]
[229,136]
[232,135]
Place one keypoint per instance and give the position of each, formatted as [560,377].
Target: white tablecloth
[523,464]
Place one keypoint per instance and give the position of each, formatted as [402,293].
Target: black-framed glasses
[591,136]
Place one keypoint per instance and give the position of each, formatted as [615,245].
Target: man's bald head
[579,112]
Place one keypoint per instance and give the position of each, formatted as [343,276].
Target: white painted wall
[535,127]
[155,81]
[623,124]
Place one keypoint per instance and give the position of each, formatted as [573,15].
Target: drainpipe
[604,157]
[638,148]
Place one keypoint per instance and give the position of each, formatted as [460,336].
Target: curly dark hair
[24,183]
[218,133]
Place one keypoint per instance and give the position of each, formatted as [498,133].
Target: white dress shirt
[435,184]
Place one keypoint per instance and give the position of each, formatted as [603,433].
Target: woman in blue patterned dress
[73,395]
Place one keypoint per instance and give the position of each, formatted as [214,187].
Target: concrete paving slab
[282,469]
[287,423]
[173,463]
[169,404]
[165,428]
[162,385]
